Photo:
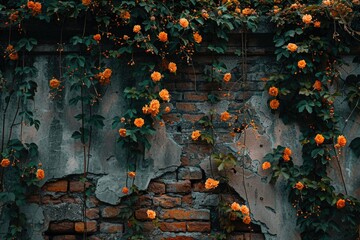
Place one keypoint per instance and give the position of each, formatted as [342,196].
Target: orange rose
[86,2]
[164,95]
[317,85]
[37,7]
[326,2]
[317,24]
[197,37]
[139,122]
[307,18]
[156,76]
[247,11]
[131,174]
[235,206]
[167,109]
[299,186]
[204,14]
[245,210]
[122,132]
[341,141]
[40,174]
[172,67]
[184,22]
[301,64]
[292,47]
[136,28]
[319,139]
[273,91]
[340,203]
[274,104]
[286,157]
[126,37]
[266,165]
[54,83]
[211,183]
[247,220]
[151,214]
[287,151]
[225,116]
[227,77]
[146,109]
[97,37]
[5,162]
[30,4]
[107,73]
[125,15]
[276,9]
[125,190]
[163,37]
[14,56]
[195,135]
[14,16]
[154,107]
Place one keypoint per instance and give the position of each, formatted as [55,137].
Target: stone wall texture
[173,171]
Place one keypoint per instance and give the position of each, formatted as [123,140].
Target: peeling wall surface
[174,168]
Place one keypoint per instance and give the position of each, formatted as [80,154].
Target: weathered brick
[156,187]
[198,226]
[199,187]
[193,96]
[183,214]
[144,201]
[64,237]
[141,214]
[92,202]
[192,117]
[77,186]
[179,187]
[180,86]
[58,186]
[186,200]
[167,201]
[50,200]
[92,213]
[68,199]
[186,107]
[91,226]
[110,212]
[173,226]
[61,227]
[149,226]
[111,227]
[180,238]
[190,173]
[171,117]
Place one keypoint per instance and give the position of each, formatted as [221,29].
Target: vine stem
[340,169]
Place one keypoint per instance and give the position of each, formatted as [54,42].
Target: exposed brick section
[167,201]
[192,117]
[92,213]
[141,214]
[182,214]
[198,226]
[111,228]
[186,200]
[199,187]
[192,96]
[61,227]
[77,186]
[190,173]
[144,201]
[58,186]
[186,107]
[156,187]
[179,187]
[110,212]
[171,117]
[173,226]
[64,237]
[91,227]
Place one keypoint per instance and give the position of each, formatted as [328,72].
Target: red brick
[181,86]
[93,201]
[192,96]
[50,200]
[167,201]
[156,187]
[61,227]
[199,187]
[68,199]
[171,117]
[182,214]
[201,86]
[186,107]
[180,238]
[186,200]
[173,226]
[144,201]
[92,213]
[77,186]
[198,226]
[110,212]
[192,117]
[58,186]
[149,226]
[111,228]
[91,226]
[141,214]
[179,187]
[64,237]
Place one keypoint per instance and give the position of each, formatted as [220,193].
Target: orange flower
[235,206]
[154,107]
[136,28]
[156,76]
[37,7]
[245,210]
[86,2]
[340,203]
[227,77]
[14,16]
[126,37]
[317,85]
[317,24]
[204,14]
[247,220]
[184,22]
[326,2]
[164,95]
[125,15]
[286,157]
[172,67]
[14,56]
[195,135]
[30,4]
[273,91]
[151,214]
[197,37]
[341,141]
[97,37]
[276,9]
[299,186]
[274,104]
[40,174]
[237,10]
[211,183]
[139,122]
[307,18]
[167,109]
[287,151]
[54,83]
[266,165]
[319,139]
[247,11]
[163,37]
[301,64]
[292,47]
[122,132]
[146,109]
[5,162]
[131,174]
[125,190]
[107,73]
[225,116]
